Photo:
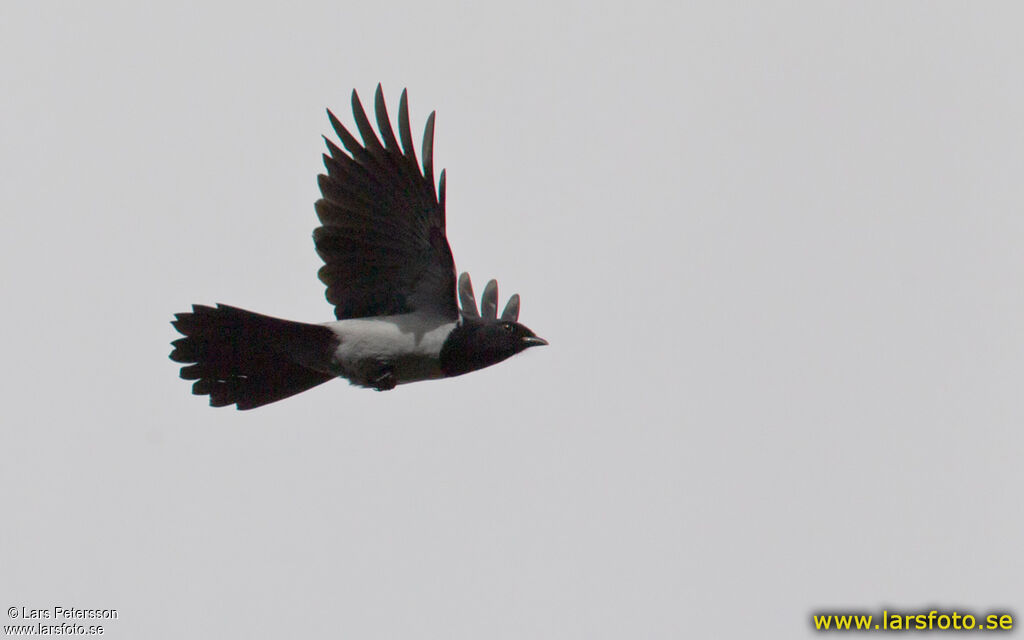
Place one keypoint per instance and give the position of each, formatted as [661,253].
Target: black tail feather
[247,359]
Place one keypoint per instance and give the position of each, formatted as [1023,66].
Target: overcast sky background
[776,248]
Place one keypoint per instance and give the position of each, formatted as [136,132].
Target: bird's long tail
[247,359]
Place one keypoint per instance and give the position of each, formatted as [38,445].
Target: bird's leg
[385,380]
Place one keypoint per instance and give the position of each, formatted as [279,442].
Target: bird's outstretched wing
[383,236]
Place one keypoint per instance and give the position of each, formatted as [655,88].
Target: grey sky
[776,248]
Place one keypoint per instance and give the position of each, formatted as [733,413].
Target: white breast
[410,344]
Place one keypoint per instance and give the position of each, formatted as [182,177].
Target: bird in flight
[389,273]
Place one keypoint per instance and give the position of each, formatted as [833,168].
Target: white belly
[409,345]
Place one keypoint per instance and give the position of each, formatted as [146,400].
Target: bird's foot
[385,381]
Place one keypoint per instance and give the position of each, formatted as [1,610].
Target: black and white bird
[391,278]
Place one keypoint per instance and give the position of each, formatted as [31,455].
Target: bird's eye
[509,328]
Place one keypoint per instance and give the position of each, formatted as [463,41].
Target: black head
[484,339]
[477,343]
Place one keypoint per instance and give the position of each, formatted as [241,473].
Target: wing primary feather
[489,301]
[466,296]
[370,140]
[335,150]
[383,122]
[511,311]
[403,127]
[345,170]
[428,150]
[347,139]
[440,195]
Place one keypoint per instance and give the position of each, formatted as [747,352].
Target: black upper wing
[383,235]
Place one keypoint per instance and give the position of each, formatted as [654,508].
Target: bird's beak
[534,341]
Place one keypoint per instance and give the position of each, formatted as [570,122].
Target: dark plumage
[389,273]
